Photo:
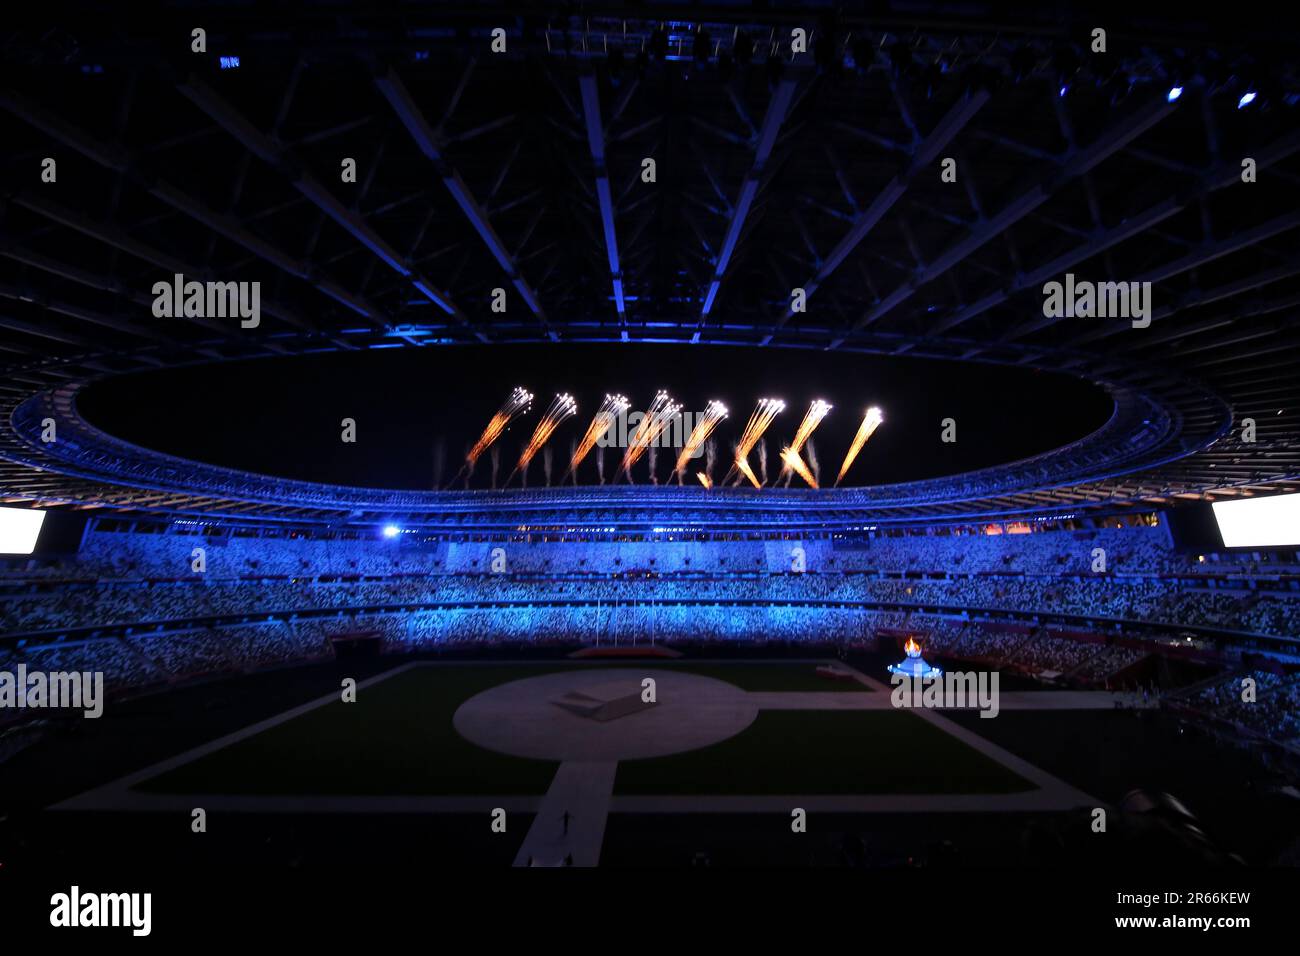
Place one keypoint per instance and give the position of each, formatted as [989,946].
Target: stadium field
[398,739]
[817,751]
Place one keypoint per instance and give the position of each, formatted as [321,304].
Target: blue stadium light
[391,531]
[1174,93]
[230,62]
[1065,88]
[1246,99]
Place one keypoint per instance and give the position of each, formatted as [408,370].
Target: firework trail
[710,456]
[573,448]
[524,476]
[562,406]
[813,468]
[869,424]
[745,471]
[811,419]
[439,461]
[496,464]
[764,413]
[714,413]
[610,409]
[600,463]
[762,460]
[705,480]
[546,465]
[795,464]
[520,401]
[653,458]
[657,417]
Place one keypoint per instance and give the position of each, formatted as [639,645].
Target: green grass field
[824,752]
[398,740]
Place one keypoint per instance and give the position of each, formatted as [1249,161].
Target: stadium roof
[775,169]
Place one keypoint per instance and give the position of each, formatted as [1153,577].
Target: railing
[1137,431]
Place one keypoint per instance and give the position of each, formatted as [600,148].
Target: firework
[714,413]
[792,461]
[811,419]
[612,407]
[705,480]
[657,416]
[519,402]
[869,424]
[743,467]
[561,407]
[764,413]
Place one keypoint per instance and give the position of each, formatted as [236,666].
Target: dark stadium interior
[281,417]
[334,533]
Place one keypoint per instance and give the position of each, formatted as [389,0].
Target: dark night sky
[282,416]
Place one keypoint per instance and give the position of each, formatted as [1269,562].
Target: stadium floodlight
[1174,93]
[391,531]
[1246,99]
[1267,522]
[19,529]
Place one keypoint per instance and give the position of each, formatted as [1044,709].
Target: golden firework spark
[870,423]
[811,419]
[561,407]
[743,467]
[661,411]
[610,409]
[714,413]
[520,401]
[764,413]
[705,480]
[791,459]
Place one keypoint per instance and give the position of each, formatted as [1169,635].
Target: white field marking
[819,700]
[1025,801]
[90,799]
[1007,700]
[118,795]
[1053,794]
[1056,787]
[583,789]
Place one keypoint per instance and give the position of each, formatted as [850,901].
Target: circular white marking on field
[598,715]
